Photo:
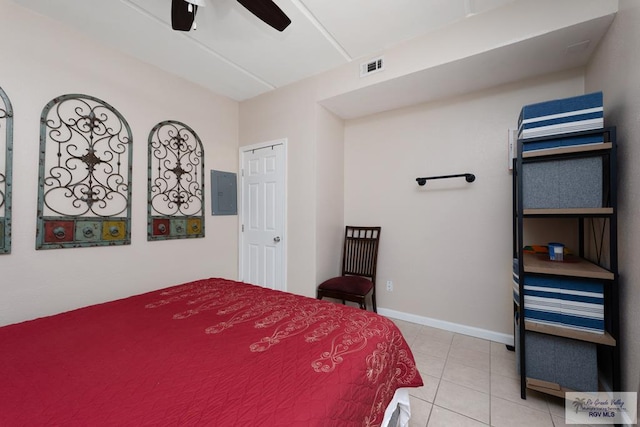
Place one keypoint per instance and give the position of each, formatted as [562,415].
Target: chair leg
[373,302]
[344,302]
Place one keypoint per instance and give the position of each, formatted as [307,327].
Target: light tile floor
[472,382]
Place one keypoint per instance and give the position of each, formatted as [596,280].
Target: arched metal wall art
[84,196]
[6,166]
[175,207]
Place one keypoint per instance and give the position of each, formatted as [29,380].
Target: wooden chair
[359,262]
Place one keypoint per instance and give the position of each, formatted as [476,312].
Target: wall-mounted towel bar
[467,176]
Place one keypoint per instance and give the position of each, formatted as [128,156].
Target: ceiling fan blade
[181,17]
[267,11]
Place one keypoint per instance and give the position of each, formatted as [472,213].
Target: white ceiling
[234,54]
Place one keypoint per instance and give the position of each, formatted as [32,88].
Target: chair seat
[350,284]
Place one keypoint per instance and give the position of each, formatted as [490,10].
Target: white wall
[42,60]
[615,70]
[446,246]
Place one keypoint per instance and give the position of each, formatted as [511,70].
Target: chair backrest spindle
[360,251]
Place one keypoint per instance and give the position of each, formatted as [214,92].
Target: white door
[262,228]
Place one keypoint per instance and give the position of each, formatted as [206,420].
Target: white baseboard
[448,326]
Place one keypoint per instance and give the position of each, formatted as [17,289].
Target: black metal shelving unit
[608,344]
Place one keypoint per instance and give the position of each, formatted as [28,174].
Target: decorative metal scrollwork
[6,166]
[176,182]
[85,174]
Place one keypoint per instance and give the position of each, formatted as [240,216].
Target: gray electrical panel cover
[224,200]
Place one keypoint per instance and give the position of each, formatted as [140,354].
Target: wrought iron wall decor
[6,166]
[84,196]
[175,208]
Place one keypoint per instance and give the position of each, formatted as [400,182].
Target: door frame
[241,207]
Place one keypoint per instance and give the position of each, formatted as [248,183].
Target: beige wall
[292,113]
[472,36]
[615,70]
[384,153]
[314,177]
[446,246]
[329,194]
[42,60]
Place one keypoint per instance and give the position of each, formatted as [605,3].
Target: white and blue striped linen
[554,143]
[568,303]
[560,116]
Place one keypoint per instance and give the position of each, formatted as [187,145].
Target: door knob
[276,239]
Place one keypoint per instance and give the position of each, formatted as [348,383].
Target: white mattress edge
[400,399]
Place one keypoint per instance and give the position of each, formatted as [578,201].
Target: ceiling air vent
[372,66]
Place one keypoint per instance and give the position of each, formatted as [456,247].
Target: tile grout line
[493,374]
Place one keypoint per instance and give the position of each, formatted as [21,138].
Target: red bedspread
[210,352]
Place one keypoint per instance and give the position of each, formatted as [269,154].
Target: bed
[208,352]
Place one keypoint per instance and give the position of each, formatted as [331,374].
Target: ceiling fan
[183,13]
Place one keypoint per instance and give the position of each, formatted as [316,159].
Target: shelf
[573,149]
[549,218]
[569,212]
[572,266]
[605,338]
[547,387]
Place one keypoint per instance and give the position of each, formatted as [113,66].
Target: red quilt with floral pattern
[209,352]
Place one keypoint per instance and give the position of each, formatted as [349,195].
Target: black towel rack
[469,177]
